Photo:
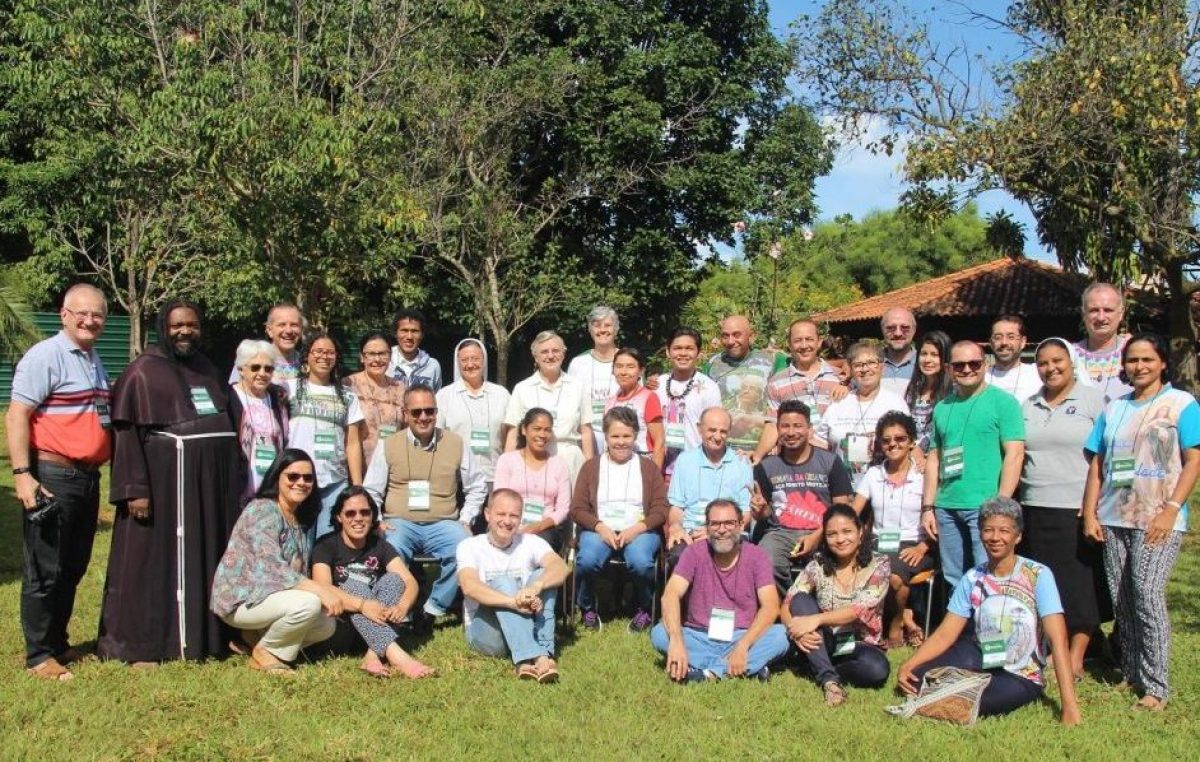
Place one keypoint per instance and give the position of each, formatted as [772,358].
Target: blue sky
[861,182]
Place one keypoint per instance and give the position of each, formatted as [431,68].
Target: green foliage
[1094,126]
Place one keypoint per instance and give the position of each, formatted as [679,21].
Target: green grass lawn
[614,702]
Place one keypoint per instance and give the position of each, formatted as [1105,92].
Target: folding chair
[927,578]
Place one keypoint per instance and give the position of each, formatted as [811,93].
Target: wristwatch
[21,470]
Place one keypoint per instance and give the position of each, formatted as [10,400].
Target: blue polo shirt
[697,481]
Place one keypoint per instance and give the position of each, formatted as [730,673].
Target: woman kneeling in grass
[377,588]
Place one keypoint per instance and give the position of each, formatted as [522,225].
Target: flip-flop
[548,675]
[50,669]
[277,669]
[527,672]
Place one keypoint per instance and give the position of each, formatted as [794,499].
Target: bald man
[808,378]
[1103,310]
[741,374]
[899,327]
[59,435]
[703,474]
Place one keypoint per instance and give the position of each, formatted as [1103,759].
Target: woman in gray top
[1058,420]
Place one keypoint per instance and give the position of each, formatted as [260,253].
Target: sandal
[548,673]
[273,667]
[835,694]
[1151,704]
[50,669]
[914,637]
[527,672]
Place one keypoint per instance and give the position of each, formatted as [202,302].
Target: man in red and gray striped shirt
[58,437]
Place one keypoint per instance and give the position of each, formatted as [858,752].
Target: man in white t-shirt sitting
[509,581]
[1008,373]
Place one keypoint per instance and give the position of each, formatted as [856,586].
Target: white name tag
[889,541]
[995,652]
[386,431]
[597,409]
[857,448]
[720,625]
[202,401]
[418,495]
[324,444]
[952,462]
[481,441]
[1122,472]
[264,456]
[620,516]
[103,414]
[843,643]
[676,438]
[533,512]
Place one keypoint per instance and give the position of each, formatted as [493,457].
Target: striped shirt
[68,390]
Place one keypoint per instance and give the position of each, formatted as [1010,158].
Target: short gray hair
[1002,506]
[864,348]
[251,348]
[603,312]
[542,338]
[1100,286]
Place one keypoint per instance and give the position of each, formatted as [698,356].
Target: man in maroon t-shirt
[729,629]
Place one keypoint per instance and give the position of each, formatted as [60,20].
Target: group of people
[791,498]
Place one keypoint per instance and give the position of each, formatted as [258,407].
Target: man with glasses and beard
[431,487]
[730,628]
[899,327]
[173,439]
[977,448]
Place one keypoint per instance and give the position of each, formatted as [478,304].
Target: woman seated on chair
[620,505]
[377,588]
[833,612]
[539,477]
[995,623]
[889,500]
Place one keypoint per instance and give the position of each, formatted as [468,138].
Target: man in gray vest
[431,488]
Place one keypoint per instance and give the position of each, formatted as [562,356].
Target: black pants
[866,667]
[1002,695]
[57,553]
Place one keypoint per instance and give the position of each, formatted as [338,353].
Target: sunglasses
[962,365]
[294,477]
[422,412]
[362,513]
[893,440]
[256,367]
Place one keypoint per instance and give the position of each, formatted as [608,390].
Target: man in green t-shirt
[976,452]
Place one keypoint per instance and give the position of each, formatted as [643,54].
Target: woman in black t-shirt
[378,589]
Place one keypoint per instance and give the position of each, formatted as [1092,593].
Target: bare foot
[373,666]
[413,669]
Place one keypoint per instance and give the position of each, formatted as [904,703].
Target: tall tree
[1094,125]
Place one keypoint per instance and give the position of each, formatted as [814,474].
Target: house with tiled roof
[964,303]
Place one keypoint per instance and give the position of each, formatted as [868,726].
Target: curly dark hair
[824,556]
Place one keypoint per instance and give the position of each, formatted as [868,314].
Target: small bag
[44,510]
[947,693]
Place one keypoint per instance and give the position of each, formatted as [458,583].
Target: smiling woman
[258,409]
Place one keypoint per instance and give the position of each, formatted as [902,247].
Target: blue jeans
[639,557]
[705,654]
[329,495]
[438,539]
[503,632]
[959,543]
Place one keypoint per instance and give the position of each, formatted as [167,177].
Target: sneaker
[695,676]
[641,621]
[763,675]
[591,620]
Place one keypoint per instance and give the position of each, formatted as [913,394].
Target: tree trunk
[136,341]
[1181,332]
[503,347]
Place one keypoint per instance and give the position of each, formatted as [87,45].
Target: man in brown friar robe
[174,439]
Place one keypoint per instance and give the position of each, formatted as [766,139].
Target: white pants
[287,621]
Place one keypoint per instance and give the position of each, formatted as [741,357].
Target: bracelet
[20,470]
[926,509]
[1177,506]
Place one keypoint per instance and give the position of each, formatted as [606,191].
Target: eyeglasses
[727,524]
[376,355]
[422,412]
[323,353]
[550,352]
[962,365]
[364,513]
[85,314]
[294,477]
[864,365]
[898,329]
[256,367]
[889,441]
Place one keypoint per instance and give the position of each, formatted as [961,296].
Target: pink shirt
[550,484]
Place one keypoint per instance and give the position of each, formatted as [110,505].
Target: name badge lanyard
[545,489]
[845,641]
[630,465]
[677,406]
[862,416]
[1112,459]
[719,617]
[478,447]
[428,476]
[93,375]
[537,396]
[994,648]
[720,491]
[386,408]
[962,439]
[891,542]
